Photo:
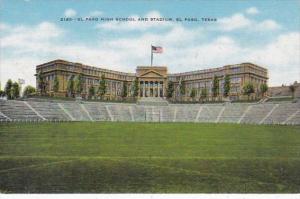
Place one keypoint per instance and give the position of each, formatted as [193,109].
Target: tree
[292,89]
[136,87]
[181,89]
[263,88]
[203,94]
[78,84]
[70,86]
[193,94]
[215,86]
[41,84]
[15,90]
[28,90]
[91,91]
[124,90]
[56,84]
[226,86]
[2,93]
[170,89]
[8,89]
[248,89]
[102,86]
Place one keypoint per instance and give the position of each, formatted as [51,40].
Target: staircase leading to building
[152,101]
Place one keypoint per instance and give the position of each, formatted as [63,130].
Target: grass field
[149,157]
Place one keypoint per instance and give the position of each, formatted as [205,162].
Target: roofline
[57,61]
[215,69]
[157,67]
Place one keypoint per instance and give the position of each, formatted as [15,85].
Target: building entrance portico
[152,81]
[151,88]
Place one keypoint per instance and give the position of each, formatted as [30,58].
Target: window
[236,70]
[235,80]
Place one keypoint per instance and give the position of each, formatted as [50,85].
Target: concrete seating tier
[120,112]
[281,113]
[75,111]
[50,111]
[233,112]
[209,113]
[17,110]
[139,113]
[256,113]
[152,113]
[185,113]
[296,119]
[97,111]
[167,114]
[250,113]
[3,119]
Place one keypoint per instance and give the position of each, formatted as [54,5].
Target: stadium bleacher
[210,113]
[17,111]
[120,112]
[185,113]
[257,113]
[50,111]
[233,112]
[294,118]
[75,111]
[97,111]
[250,113]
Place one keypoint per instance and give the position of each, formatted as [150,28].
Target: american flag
[157,49]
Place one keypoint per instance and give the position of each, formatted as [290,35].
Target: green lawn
[149,158]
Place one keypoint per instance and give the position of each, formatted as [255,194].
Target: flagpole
[151,56]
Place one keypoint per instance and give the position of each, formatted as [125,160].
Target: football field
[117,157]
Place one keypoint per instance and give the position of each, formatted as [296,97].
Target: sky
[266,33]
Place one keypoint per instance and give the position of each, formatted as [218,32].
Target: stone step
[152,101]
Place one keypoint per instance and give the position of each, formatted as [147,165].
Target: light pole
[21,81]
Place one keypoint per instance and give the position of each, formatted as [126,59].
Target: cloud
[70,13]
[30,38]
[24,47]
[22,67]
[252,11]
[95,13]
[240,22]
[236,21]
[281,57]
[267,25]
[185,49]
[3,27]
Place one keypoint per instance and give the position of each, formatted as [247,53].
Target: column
[157,89]
[116,93]
[110,89]
[158,85]
[150,85]
[163,90]
[154,89]
[148,89]
[155,85]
